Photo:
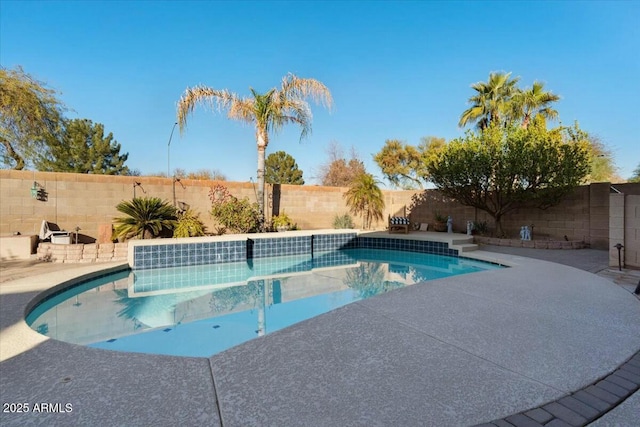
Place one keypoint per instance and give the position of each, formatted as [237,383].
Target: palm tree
[365,198]
[529,103]
[268,112]
[490,104]
[146,218]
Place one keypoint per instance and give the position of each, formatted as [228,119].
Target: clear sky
[396,70]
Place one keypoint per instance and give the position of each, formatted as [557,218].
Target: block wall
[632,231]
[89,203]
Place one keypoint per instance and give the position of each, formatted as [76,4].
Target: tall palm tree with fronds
[268,112]
[490,104]
[532,102]
[146,218]
[365,198]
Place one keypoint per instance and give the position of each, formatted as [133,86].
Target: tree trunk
[262,145]
[15,156]
[498,221]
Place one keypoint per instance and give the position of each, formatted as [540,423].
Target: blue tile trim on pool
[262,248]
[199,253]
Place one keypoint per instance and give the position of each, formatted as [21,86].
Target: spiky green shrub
[146,218]
[189,224]
[343,221]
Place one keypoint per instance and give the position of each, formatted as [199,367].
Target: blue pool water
[203,310]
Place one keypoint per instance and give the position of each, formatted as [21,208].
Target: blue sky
[398,70]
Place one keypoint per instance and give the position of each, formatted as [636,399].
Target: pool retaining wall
[187,252]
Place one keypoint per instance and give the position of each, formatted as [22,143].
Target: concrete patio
[459,351]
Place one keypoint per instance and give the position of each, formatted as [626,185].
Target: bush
[282,221]
[481,227]
[238,216]
[189,225]
[146,218]
[343,221]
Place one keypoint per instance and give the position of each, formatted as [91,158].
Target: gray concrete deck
[458,351]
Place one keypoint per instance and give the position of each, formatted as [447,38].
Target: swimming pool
[202,310]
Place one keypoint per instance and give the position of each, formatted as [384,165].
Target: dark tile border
[199,253]
[583,406]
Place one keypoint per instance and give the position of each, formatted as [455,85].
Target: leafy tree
[365,198]
[636,175]
[529,103]
[405,165]
[238,216]
[30,114]
[399,163]
[202,174]
[281,168]
[268,111]
[502,169]
[602,163]
[83,148]
[147,217]
[338,171]
[491,102]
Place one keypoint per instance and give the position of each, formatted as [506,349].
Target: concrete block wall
[89,202]
[570,218]
[624,224]
[616,226]
[632,231]
[83,253]
[599,215]
[17,247]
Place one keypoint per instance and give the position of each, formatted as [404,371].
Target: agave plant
[147,217]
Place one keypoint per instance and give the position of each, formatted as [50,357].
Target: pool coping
[189,395]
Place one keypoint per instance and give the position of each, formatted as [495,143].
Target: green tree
[601,161]
[405,165]
[636,175]
[338,171]
[83,148]
[201,174]
[399,163]
[268,111]
[491,102]
[281,168]
[532,102]
[30,114]
[146,218]
[502,169]
[365,198]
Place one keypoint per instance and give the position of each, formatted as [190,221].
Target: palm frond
[294,87]
[213,98]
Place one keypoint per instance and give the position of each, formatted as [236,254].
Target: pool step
[463,244]
[465,247]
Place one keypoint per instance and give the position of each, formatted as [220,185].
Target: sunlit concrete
[455,351]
